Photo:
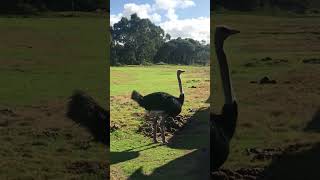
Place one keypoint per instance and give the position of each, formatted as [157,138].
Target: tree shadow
[314,124]
[117,157]
[194,165]
[303,164]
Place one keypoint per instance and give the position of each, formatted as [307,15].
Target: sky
[179,18]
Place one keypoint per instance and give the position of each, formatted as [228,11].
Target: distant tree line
[298,6]
[36,6]
[138,41]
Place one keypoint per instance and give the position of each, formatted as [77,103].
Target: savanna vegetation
[139,41]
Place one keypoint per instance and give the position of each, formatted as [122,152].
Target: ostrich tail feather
[137,97]
[84,110]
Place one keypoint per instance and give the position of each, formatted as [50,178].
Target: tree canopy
[139,41]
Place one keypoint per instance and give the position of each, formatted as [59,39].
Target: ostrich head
[179,71]
[223,32]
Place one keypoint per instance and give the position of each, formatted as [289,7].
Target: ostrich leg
[154,129]
[163,128]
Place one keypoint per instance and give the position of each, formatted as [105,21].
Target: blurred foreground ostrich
[161,104]
[223,125]
[85,111]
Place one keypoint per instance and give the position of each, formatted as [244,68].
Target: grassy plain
[133,155]
[273,115]
[42,61]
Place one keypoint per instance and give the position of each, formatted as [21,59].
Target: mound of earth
[266,61]
[266,80]
[311,61]
[89,167]
[240,174]
[172,125]
[272,153]
[258,173]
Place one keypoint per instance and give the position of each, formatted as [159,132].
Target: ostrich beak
[233,31]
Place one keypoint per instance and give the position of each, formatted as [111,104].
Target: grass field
[133,155]
[42,61]
[273,115]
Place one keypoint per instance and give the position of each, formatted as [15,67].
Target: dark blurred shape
[297,6]
[38,6]
[266,80]
[85,111]
[311,61]
[314,124]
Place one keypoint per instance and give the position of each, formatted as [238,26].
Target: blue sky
[179,18]
[202,7]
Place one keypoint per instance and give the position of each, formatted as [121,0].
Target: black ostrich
[161,104]
[223,126]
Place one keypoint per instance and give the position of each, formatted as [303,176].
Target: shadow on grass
[299,165]
[314,124]
[194,165]
[117,157]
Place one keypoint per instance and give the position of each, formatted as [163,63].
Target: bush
[297,6]
[161,63]
[24,8]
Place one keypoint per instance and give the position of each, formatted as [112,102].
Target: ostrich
[84,110]
[223,126]
[161,104]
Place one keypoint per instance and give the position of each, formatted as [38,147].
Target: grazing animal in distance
[222,126]
[162,104]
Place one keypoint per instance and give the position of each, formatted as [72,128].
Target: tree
[138,37]
[183,51]
[139,41]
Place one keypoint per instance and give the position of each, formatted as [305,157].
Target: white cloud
[143,11]
[171,14]
[195,28]
[171,6]
[187,3]
[156,17]
[115,18]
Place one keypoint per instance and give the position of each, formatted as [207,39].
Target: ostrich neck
[180,85]
[224,71]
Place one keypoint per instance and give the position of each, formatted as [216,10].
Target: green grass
[131,151]
[43,60]
[46,58]
[295,103]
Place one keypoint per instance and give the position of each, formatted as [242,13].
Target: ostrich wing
[161,101]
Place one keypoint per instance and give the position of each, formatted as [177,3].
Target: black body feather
[222,130]
[160,101]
